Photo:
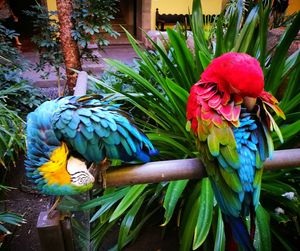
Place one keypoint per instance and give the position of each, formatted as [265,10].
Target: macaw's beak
[249,103]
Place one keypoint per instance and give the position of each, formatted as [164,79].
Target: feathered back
[86,126]
[97,129]
[46,156]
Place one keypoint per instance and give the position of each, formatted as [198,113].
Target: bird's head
[236,73]
[77,169]
[62,170]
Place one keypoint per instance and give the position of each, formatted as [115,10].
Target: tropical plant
[92,20]
[8,54]
[8,218]
[161,85]
[17,98]
[47,40]
[20,95]
[11,135]
[11,143]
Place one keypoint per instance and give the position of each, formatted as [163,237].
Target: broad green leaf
[234,24]
[264,13]
[273,79]
[246,34]
[127,222]
[262,240]
[290,100]
[104,199]
[289,131]
[277,187]
[188,223]
[174,192]
[291,62]
[137,77]
[204,59]
[104,208]
[128,200]
[183,56]
[181,93]
[220,233]
[205,214]
[175,144]
[200,42]
[177,74]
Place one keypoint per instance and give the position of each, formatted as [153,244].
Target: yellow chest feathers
[55,171]
[63,171]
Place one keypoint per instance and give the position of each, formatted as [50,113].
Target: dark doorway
[25,27]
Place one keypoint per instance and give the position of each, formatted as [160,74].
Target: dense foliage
[161,84]
[91,21]
[46,38]
[17,98]
[8,54]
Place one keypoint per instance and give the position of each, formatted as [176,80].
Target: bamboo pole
[154,172]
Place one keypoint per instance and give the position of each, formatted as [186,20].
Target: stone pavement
[122,52]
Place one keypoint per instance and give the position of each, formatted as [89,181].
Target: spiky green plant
[161,85]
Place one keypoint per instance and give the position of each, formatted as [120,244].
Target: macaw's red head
[235,73]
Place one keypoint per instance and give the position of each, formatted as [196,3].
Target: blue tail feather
[239,232]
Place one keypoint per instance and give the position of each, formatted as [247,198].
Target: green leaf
[234,24]
[277,188]
[246,35]
[183,57]
[290,101]
[220,233]
[180,92]
[127,201]
[137,77]
[127,222]
[273,79]
[264,14]
[205,213]
[188,223]
[200,42]
[289,131]
[170,141]
[174,191]
[115,196]
[262,240]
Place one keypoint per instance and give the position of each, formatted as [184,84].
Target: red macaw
[229,112]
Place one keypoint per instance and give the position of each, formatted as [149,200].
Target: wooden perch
[154,172]
[81,84]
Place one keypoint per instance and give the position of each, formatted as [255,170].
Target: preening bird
[229,112]
[65,135]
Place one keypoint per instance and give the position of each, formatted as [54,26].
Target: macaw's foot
[103,166]
[52,211]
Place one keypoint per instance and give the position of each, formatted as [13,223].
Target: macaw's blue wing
[96,129]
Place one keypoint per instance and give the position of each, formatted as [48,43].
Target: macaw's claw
[103,166]
[52,211]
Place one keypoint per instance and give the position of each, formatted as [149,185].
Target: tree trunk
[69,45]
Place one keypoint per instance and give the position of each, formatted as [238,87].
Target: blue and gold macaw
[65,134]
